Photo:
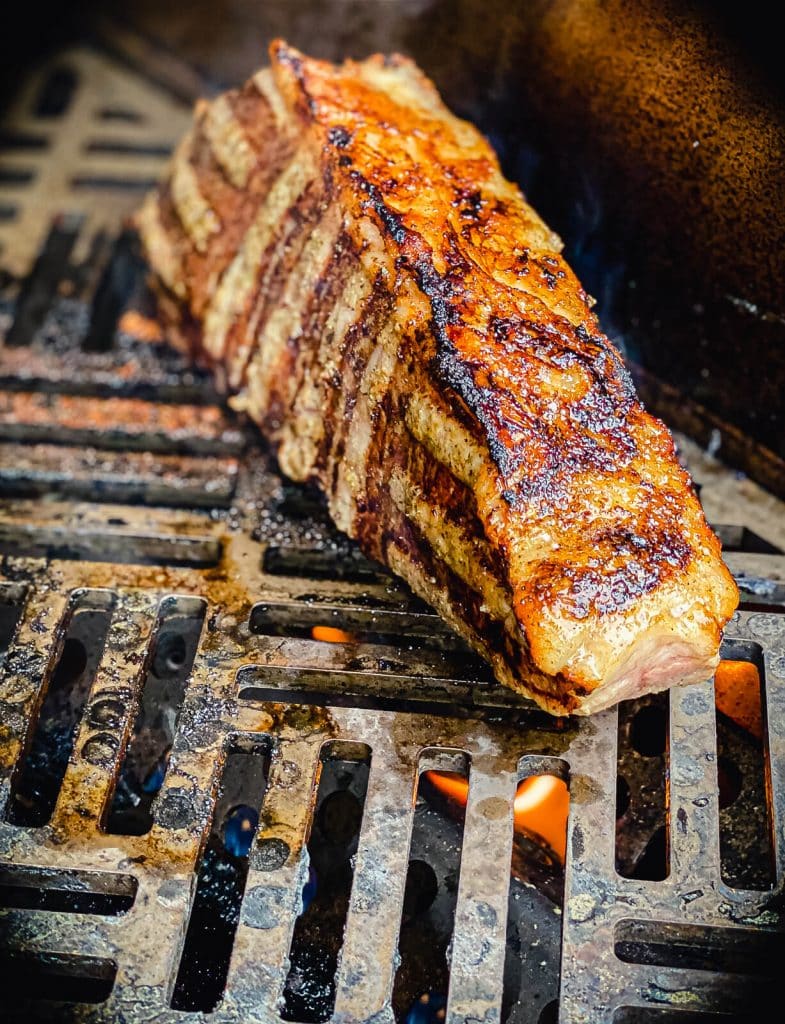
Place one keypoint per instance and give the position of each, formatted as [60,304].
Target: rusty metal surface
[146,941]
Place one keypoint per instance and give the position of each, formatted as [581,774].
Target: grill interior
[207,810]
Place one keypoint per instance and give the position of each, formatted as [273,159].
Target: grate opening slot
[641,805]
[393,594]
[661,1015]
[742,951]
[541,809]
[309,991]
[109,183]
[258,684]
[301,501]
[121,114]
[146,758]
[741,538]
[549,1013]
[421,984]
[124,147]
[121,477]
[16,140]
[116,286]
[67,891]
[56,92]
[113,546]
[16,175]
[133,368]
[532,964]
[353,624]
[743,769]
[39,774]
[342,562]
[56,977]
[221,875]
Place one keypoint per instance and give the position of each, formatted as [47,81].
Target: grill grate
[159,508]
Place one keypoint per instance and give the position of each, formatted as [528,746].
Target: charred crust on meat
[391,221]
[469,202]
[339,137]
[608,582]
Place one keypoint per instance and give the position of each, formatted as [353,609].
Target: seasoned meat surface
[347,257]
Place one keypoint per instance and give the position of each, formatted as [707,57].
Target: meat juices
[347,258]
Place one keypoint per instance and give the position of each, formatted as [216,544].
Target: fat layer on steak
[348,259]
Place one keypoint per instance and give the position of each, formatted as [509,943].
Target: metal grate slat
[477,962]
[27,666]
[365,975]
[694,807]
[277,873]
[90,775]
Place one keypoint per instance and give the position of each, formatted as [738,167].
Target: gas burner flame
[540,809]
[239,830]
[430,1008]
[737,694]
[332,635]
[309,889]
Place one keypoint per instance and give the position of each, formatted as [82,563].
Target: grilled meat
[347,257]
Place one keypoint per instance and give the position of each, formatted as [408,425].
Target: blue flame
[240,829]
[428,1009]
[309,889]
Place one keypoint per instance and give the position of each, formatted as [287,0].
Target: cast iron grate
[210,718]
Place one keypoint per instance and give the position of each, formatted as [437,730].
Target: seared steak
[347,257]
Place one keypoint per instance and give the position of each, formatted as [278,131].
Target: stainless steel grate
[127,491]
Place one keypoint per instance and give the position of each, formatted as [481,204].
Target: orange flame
[143,328]
[331,635]
[737,695]
[542,803]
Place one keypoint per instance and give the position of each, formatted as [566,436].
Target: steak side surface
[347,258]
